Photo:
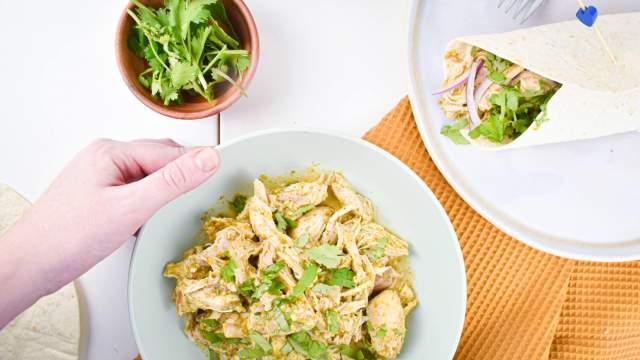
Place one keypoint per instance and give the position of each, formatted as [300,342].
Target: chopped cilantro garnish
[342,277]
[251,353]
[281,320]
[304,345]
[358,352]
[213,355]
[302,240]
[215,339]
[452,131]
[321,288]
[378,252]
[227,271]
[325,254]
[381,332]
[301,211]
[259,340]
[369,327]
[306,279]
[291,223]
[272,270]
[275,287]
[333,322]
[247,288]
[281,222]
[238,203]
[269,284]
[496,76]
[209,322]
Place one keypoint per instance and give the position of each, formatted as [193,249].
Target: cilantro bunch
[189,46]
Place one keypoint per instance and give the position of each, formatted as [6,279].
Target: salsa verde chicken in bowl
[303,270]
[319,263]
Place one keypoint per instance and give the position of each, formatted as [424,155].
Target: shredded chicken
[304,259]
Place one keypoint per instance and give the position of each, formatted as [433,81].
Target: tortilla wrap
[598,97]
[50,329]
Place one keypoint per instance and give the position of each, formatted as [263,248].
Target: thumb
[176,178]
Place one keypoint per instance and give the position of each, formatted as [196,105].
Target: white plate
[579,199]
[403,203]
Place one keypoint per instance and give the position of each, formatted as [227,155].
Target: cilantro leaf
[213,355]
[269,284]
[182,73]
[492,129]
[342,277]
[209,322]
[247,288]
[219,14]
[303,344]
[215,339]
[333,322]
[281,320]
[238,203]
[291,223]
[496,76]
[325,254]
[378,251]
[281,223]
[453,131]
[228,271]
[259,340]
[275,288]
[302,240]
[251,353]
[321,288]
[301,211]
[306,279]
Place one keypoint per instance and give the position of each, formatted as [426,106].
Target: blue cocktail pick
[587,16]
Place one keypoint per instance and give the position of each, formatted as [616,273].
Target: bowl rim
[216,107]
[358,141]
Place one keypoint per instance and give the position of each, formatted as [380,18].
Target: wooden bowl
[194,107]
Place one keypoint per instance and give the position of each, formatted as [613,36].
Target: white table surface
[324,64]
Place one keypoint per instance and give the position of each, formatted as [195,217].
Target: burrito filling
[491,97]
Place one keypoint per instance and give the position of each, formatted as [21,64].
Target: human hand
[100,199]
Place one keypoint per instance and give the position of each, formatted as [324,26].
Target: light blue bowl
[403,202]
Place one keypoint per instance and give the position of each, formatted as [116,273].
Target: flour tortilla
[50,329]
[597,97]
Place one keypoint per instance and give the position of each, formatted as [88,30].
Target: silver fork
[526,8]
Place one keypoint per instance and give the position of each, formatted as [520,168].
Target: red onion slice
[482,88]
[457,82]
[471,84]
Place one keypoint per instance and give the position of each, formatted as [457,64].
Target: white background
[324,64]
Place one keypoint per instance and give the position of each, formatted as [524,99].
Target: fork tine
[500,3]
[538,5]
[523,8]
[511,6]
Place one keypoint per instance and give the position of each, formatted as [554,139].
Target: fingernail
[206,159]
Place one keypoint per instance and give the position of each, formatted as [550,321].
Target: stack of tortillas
[50,329]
